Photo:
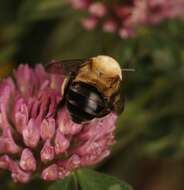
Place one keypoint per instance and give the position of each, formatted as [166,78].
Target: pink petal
[47,104]
[61,143]
[89,147]
[90,159]
[27,160]
[110,26]
[47,128]
[126,32]
[35,106]
[4,162]
[89,23]
[50,173]
[7,143]
[7,90]
[66,125]
[20,114]
[25,80]
[41,75]
[18,175]
[98,9]
[71,163]
[3,117]
[31,134]
[99,128]
[47,152]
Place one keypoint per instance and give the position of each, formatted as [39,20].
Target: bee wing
[65,67]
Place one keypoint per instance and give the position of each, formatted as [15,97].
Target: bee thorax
[107,66]
[103,72]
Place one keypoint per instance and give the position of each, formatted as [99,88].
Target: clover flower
[35,138]
[123,17]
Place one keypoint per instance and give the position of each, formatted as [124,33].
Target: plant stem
[75,181]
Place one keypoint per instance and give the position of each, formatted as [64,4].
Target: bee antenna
[128,70]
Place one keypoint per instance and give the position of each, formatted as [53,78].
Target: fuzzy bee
[91,88]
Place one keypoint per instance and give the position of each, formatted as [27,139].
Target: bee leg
[60,104]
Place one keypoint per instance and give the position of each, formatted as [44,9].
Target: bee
[91,88]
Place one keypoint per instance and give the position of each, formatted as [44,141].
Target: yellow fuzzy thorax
[103,72]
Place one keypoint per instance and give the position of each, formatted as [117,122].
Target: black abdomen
[84,102]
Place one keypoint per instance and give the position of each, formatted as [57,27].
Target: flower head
[36,138]
[123,17]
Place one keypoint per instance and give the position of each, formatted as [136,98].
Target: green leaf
[91,180]
[66,184]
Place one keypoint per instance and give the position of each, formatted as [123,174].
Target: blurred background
[149,153]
